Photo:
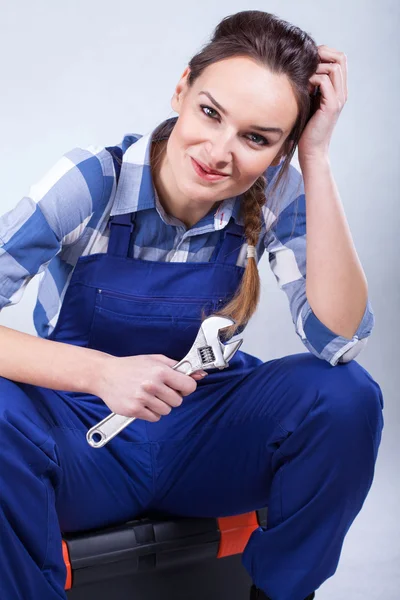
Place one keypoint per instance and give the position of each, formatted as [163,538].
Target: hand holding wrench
[207,352]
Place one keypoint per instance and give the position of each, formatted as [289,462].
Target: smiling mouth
[205,174]
[210,171]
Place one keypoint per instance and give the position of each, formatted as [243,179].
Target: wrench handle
[113,424]
[107,429]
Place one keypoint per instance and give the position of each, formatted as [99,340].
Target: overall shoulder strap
[121,226]
[230,242]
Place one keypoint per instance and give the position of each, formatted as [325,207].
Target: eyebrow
[217,104]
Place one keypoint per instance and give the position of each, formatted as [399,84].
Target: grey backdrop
[86,72]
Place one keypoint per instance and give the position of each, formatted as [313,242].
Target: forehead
[248,90]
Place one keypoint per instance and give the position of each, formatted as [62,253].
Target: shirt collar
[136,191]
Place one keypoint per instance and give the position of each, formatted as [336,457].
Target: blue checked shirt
[65,216]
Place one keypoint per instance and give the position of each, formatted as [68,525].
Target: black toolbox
[162,558]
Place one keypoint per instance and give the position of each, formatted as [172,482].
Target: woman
[129,272]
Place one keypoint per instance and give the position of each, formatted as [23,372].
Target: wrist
[313,161]
[96,371]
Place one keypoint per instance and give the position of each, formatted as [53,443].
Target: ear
[180,90]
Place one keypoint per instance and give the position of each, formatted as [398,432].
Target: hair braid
[244,303]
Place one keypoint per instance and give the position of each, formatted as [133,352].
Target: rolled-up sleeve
[27,244]
[53,214]
[285,243]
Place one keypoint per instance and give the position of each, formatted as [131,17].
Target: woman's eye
[263,140]
[208,108]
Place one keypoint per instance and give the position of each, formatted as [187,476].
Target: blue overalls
[293,433]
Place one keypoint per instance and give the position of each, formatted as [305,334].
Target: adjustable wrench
[207,352]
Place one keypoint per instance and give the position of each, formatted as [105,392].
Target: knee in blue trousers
[322,473]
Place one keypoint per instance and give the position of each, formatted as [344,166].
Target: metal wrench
[207,352]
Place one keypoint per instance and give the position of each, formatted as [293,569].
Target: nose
[219,152]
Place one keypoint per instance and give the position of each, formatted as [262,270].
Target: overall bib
[293,433]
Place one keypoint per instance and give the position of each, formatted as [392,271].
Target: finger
[159,407]
[328,93]
[198,375]
[145,407]
[331,55]
[151,401]
[149,415]
[171,363]
[168,395]
[335,73]
[182,383]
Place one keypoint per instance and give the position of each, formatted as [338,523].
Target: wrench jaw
[230,348]
[222,353]
[212,325]
[208,352]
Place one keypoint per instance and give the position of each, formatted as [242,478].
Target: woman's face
[233,143]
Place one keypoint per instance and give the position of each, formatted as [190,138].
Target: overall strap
[229,244]
[121,226]
[121,229]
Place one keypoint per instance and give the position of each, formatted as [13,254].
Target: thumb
[171,363]
[199,375]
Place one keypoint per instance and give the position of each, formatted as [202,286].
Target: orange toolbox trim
[68,581]
[235,533]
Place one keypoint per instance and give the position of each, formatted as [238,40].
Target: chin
[195,192]
[190,188]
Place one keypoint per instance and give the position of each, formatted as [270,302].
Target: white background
[88,72]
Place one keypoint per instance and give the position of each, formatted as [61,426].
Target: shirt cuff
[327,345]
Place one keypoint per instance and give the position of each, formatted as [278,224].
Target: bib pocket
[127,325]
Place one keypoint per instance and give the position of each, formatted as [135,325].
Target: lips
[208,170]
[200,172]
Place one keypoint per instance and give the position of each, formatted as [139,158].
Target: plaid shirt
[65,216]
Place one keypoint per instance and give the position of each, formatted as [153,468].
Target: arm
[54,213]
[286,243]
[336,288]
[29,359]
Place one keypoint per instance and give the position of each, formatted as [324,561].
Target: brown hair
[283,49]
